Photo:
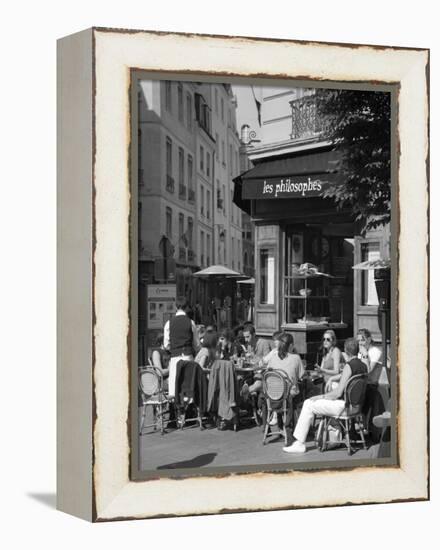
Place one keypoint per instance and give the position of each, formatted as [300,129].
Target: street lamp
[248,136]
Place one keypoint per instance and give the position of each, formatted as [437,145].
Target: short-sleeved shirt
[291,364]
[374,356]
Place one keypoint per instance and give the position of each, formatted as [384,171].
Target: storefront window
[369,251]
[267,276]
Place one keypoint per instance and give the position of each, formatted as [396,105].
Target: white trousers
[308,411]
[172,372]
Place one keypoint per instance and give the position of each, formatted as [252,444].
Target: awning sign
[294,187]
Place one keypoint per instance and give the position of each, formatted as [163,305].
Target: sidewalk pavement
[193,448]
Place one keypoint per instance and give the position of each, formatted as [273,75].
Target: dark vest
[357,366]
[181,336]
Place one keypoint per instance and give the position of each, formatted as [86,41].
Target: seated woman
[332,358]
[331,403]
[257,385]
[239,342]
[206,355]
[226,348]
[160,358]
[291,364]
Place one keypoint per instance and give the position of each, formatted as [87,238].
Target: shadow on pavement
[196,462]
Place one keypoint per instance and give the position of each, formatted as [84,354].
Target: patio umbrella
[218,271]
[374,264]
[250,281]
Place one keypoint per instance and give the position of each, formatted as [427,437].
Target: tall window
[202,201]
[191,196]
[223,152]
[182,188]
[369,251]
[169,161]
[222,110]
[180,101]
[208,164]
[208,204]
[181,227]
[168,95]
[208,249]
[233,253]
[225,246]
[202,248]
[224,198]
[217,146]
[232,207]
[169,222]
[202,158]
[189,111]
[230,159]
[219,196]
[190,233]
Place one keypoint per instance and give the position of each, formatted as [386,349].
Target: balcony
[170,184]
[191,256]
[191,195]
[182,254]
[305,122]
[182,192]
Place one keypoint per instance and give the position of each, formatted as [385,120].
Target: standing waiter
[180,337]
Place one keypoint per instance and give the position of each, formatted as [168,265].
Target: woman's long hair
[332,334]
[285,342]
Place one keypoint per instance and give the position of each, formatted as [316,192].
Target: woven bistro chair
[153,395]
[351,416]
[276,390]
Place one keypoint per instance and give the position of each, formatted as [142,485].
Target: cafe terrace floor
[193,448]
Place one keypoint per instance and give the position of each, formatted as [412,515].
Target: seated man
[331,403]
[260,347]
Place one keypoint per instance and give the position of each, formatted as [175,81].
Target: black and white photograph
[265,239]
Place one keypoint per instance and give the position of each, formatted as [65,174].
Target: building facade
[295,225]
[187,156]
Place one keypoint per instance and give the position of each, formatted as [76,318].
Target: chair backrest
[355,390]
[150,381]
[276,385]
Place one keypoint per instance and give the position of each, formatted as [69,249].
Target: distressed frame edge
[425,493]
[75,59]
[94,516]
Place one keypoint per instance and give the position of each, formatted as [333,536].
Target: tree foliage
[358,123]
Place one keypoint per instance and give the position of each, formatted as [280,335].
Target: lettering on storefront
[287,186]
[291,187]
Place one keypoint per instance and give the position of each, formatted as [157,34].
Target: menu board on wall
[161,305]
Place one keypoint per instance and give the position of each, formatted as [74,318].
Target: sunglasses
[326,339]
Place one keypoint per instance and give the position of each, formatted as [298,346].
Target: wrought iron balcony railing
[305,121]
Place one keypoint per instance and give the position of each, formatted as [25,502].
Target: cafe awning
[294,177]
